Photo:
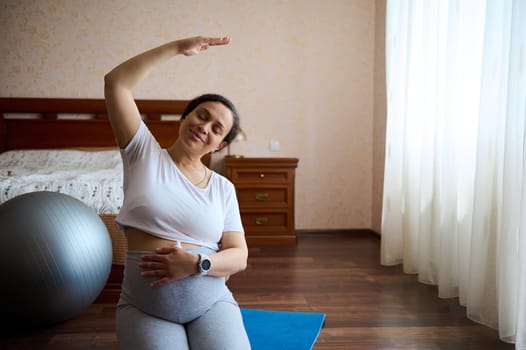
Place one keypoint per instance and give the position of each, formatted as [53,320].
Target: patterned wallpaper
[300,71]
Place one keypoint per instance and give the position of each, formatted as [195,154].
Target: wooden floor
[368,306]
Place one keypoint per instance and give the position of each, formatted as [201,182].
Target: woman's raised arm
[118,83]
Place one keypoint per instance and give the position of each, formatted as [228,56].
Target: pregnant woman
[181,219]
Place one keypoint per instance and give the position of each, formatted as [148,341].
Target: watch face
[205,264]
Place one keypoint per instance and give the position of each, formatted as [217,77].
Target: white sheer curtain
[454,208]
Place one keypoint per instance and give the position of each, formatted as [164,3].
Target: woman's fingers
[219,41]
[158,273]
[153,273]
[152,265]
[193,46]
[153,257]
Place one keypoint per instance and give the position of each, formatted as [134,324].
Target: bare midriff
[140,240]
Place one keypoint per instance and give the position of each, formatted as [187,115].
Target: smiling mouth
[197,137]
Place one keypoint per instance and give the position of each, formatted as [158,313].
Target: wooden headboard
[47,127]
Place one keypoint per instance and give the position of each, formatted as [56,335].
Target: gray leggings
[198,312]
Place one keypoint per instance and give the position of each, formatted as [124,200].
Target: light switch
[273,145]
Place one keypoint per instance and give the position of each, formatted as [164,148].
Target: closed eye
[201,115]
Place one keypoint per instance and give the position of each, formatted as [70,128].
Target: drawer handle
[261,196]
[261,176]
[261,221]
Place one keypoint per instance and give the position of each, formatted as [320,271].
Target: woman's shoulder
[142,142]
[221,181]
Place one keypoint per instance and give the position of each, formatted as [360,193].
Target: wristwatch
[204,264]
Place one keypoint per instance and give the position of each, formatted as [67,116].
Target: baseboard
[351,231]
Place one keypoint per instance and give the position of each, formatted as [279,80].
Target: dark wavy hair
[216,98]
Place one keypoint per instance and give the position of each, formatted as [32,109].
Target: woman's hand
[170,263]
[192,46]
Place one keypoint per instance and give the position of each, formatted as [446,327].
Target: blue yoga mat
[287,330]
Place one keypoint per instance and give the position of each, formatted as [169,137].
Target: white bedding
[94,177]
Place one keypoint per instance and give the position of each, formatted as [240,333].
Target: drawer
[265,193]
[264,222]
[262,197]
[255,176]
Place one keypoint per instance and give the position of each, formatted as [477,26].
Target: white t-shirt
[160,200]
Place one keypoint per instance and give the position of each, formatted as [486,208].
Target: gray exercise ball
[55,258]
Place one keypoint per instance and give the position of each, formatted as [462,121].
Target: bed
[66,145]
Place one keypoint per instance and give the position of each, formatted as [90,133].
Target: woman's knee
[137,331]
[220,328]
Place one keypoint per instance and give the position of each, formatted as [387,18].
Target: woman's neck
[191,167]
[183,159]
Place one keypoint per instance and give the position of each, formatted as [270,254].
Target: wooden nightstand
[265,191]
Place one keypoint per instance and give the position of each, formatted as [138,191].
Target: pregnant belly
[180,301]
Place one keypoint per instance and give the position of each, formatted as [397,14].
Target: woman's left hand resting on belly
[170,263]
[174,263]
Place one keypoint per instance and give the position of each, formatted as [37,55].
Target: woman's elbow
[243,266]
[244,260]
[109,81]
